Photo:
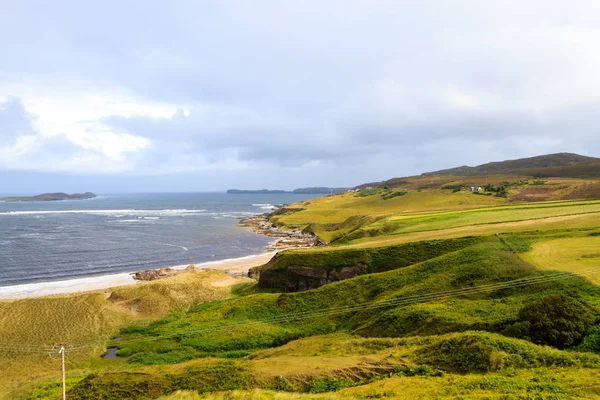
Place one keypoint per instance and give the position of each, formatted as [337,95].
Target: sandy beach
[233,266]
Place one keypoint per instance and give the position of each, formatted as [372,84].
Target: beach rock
[192,268]
[153,274]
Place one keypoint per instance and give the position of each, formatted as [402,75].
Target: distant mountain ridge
[308,190]
[519,166]
[559,165]
[52,197]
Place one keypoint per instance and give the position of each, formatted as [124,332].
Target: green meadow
[450,303]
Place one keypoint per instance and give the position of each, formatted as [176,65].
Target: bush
[557,320]
[328,385]
[591,341]
[393,194]
[125,352]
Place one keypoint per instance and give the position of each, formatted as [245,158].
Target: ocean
[63,240]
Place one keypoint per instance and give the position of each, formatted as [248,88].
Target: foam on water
[118,213]
[58,241]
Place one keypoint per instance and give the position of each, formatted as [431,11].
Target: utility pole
[62,352]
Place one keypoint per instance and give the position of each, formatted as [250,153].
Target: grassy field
[254,336]
[350,216]
[483,221]
[334,216]
[189,338]
[568,254]
[88,319]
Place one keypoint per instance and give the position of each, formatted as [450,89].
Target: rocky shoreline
[286,239]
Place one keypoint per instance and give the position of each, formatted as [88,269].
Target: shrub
[591,341]
[557,320]
[126,352]
[393,194]
[328,385]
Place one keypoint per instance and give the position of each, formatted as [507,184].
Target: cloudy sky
[115,96]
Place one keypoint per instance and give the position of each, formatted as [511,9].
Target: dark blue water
[52,241]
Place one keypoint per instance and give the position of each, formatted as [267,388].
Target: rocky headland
[51,197]
[285,238]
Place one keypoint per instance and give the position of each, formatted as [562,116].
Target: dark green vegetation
[428,289]
[294,271]
[558,320]
[446,334]
[457,353]
[52,197]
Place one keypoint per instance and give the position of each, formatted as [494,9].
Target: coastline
[233,266]
[259,224]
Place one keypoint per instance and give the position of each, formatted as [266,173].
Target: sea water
[70,240]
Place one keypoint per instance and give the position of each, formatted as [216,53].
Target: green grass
[344,364]
[188,339]
[568,254]
[88,319]
[333,217]
[486,262]
[281,271]
[495,215]
[345,218]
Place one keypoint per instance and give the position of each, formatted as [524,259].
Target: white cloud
[345,86]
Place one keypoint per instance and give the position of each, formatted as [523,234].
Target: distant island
[309,190]
[52,197]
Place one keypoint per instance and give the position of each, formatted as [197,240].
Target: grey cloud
[355,87]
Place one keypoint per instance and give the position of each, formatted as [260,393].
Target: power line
[290,317]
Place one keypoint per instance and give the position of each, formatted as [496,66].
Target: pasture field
[445,220]
[349,216]
[573,223]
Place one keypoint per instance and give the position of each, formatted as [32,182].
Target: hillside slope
[524,166]
[560,165]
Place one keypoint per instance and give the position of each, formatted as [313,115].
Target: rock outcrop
[287,239]
[153,274]
[296,278]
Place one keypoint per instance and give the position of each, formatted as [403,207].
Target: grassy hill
[546,165]
[326,339]
[423,290]
[560,165]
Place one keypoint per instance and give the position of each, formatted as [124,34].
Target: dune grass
[88,319]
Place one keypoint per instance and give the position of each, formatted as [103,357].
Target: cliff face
[297,278]
[294,271]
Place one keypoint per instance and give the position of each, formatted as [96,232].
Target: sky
[134,96]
